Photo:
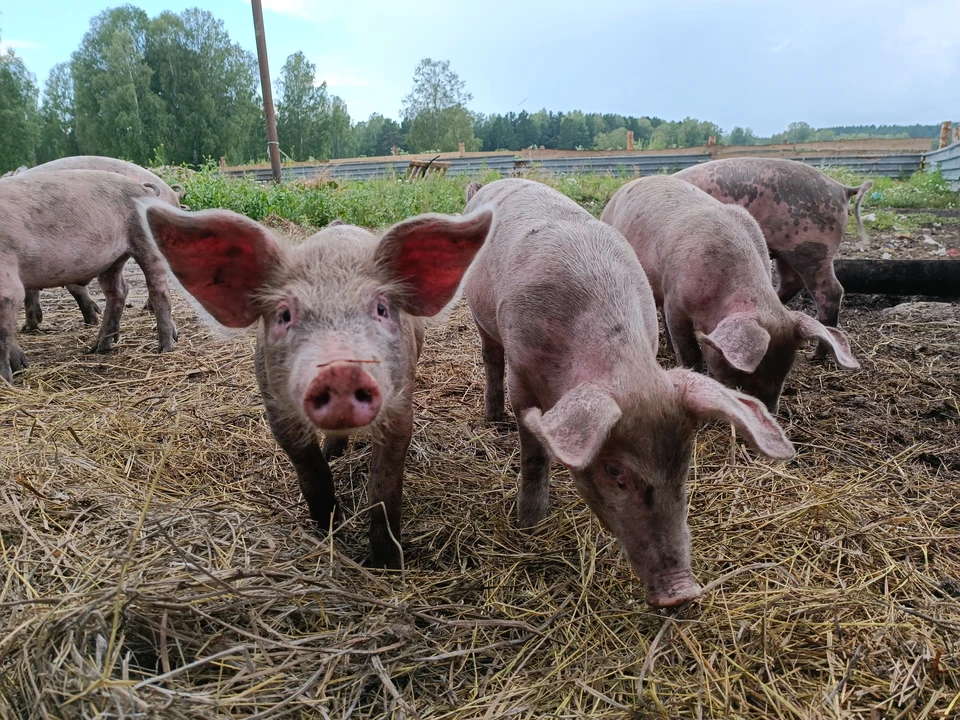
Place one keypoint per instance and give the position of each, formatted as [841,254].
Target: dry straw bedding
[158,560]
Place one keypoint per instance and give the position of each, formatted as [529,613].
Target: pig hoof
[30,329]
[494,416]
[18,361]
[91,321]
[101,347]
[385,559]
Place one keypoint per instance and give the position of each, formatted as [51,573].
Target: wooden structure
[932,278]
[421,168]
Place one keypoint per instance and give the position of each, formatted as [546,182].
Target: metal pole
[273,145]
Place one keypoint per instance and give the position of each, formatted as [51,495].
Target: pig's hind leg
[115,293]
[32,311]
[88,308]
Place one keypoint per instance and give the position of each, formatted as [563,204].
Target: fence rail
[947,161]
[629,165]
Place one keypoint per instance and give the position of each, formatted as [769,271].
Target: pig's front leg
[31,308]
[533,500]
[115,293]
[334,447]
[11,297]
[298,439]
[155,274]
[493,366]
[385,486]
[685,346]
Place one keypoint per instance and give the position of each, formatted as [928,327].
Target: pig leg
[158,291]
[681,334]
[298,439]
[533,500]
[88,308]
[334,447]
[31,308]
[11,297]
[385,486]
[789,281]
[828,295]
[115,293]
[493,365]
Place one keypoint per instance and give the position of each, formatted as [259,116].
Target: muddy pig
[70,226]
[340,330]
[171,194]
[802,213]
[709,271]
[562,305]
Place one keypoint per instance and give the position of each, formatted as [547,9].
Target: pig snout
[672,588]
[342,396]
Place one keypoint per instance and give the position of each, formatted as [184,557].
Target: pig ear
[576,427]
[221,258]
[809,328]
[429,254]
[740,339]
[336,222]
[706,399]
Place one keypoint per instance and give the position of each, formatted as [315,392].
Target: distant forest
[175,89]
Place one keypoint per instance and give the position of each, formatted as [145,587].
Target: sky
[754,63]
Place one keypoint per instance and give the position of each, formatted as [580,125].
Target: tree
[207,85]
[340,133]
[19,124]
[613,140]
[117,114]
[303,111]
[436,109]
[574,132]
[57,136]
[740,136]
[377,136]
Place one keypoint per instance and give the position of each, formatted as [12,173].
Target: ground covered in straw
[158,562]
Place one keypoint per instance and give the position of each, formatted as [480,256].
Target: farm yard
[159,560]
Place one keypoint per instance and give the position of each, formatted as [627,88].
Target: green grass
[382,202]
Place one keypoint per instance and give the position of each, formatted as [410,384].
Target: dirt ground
[159,562]
[936,238]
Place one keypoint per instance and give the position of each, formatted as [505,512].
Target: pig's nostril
[364,396]
[322,399]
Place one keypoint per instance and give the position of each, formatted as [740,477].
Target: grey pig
[802,213]
[97,211]
[171,194]
[708,267]
[563,307]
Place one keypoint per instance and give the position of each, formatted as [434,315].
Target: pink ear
[706,399]
[809,328]
[740,339]
[220,257]
[429,255]
[576,427]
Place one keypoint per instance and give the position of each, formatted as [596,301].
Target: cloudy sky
[755,63]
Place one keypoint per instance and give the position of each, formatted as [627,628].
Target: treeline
[175,89]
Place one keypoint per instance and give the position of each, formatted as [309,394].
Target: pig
[97,211]
[709,271]
[564,309]
[171,194]
[340,327]
[802,213]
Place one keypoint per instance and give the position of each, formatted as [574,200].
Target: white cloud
[928,36]
[17,45]
[780,46]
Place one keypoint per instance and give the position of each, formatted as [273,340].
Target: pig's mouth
[359,362]
[671,589]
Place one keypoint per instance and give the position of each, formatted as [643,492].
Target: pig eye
[614,470]
[284,317]
[382,310]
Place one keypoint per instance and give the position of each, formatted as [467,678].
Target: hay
[158,561]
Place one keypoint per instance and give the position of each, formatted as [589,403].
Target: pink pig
[709,271]
[340,330]
[564,308]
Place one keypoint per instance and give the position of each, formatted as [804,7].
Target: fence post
[945,133]
[956,134]
[223,165]
[395,150]
[629,139]
[273,147]
[712,141]
[461,149]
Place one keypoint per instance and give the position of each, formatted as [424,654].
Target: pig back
[68,226]
[555,277]
[108,164]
